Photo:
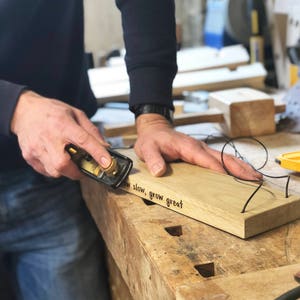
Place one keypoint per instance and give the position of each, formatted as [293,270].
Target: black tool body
[113,176]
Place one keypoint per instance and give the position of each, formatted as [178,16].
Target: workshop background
[102,20]
[228,20]
[266,58]
[253,44]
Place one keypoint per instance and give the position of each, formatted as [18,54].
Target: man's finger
[154,160]
[235,166]
[195,152]
[82,139]
[88,126]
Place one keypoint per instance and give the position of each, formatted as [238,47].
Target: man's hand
[45,126]
[158,142]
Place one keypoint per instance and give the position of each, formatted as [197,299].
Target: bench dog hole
[206,270]
[174,230]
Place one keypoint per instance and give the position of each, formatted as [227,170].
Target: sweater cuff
[150,86]
[9,96]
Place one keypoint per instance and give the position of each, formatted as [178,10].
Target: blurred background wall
[103,31]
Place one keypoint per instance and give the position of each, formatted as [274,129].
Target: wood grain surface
[213,198]
[162,254]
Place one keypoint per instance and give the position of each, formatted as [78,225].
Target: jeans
[52,247]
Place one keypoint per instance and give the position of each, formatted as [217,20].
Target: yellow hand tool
[290,160]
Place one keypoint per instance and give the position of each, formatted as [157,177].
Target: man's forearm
[150,40]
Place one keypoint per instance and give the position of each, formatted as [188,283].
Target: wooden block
[213,198]
[247,112]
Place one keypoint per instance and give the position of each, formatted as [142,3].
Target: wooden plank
[215,79]
[212,115]
[188,60]
[222,78]
[195,192]
[280,108]
[204,58]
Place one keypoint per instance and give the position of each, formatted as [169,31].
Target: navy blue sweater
[42,49]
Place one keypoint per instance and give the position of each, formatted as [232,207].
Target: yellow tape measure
[290,160]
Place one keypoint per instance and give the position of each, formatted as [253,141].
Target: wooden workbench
[161,254]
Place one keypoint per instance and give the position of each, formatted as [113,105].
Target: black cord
[251,196]
[230,141]
[293,294]
[260,182]
[237,154]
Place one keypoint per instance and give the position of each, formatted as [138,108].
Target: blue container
[214,26]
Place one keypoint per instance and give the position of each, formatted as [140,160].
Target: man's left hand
[158,143]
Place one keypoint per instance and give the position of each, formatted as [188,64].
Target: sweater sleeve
[150,42]
[9,95]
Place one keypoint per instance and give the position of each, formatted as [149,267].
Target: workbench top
[162,254]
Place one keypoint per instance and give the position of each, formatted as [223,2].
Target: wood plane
[213,198]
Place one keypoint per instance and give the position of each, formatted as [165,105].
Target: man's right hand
[45,126]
